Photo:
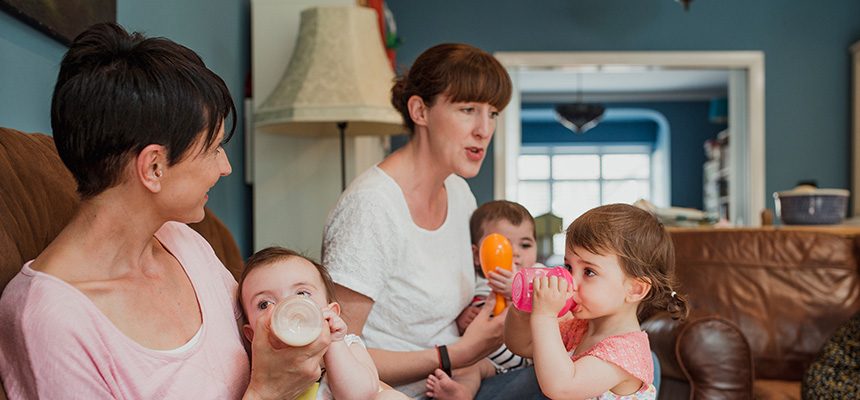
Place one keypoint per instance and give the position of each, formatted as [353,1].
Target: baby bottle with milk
[297,320]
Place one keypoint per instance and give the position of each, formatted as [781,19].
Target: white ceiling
[607,83]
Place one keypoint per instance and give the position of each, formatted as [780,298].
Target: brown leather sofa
[37,198]
[764,301]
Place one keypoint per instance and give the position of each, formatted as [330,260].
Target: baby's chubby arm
[500,280]
[350,369]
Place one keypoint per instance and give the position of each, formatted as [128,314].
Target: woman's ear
[335,308]
[637,289]
[150,165]
[248,332]
[417,110]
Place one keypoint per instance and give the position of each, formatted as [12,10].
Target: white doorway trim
[748,131]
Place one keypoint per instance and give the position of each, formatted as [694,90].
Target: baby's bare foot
[440,386]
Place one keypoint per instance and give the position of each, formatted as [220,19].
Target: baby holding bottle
[621,260]
[299,293]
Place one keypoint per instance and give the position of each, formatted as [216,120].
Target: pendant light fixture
[579,117]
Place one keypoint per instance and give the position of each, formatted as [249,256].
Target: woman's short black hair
[117,93]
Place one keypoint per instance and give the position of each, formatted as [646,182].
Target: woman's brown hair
[464,73]
[643,246]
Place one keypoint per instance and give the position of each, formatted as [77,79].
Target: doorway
[745,103]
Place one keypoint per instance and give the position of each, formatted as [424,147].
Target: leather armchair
[38,197]
[764,301]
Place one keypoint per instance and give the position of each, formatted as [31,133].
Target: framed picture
[62,20]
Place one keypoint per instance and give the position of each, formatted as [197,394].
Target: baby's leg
[464,384]
[390,394]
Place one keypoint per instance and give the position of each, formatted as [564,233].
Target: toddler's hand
[336,325]
[550,295]
[500,281]
[467,316]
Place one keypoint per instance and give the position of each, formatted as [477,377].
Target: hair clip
[674,293]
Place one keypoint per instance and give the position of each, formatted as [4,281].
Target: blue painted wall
[218,30]
[807,63]
[689,128]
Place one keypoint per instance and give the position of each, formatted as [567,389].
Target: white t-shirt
[419,280]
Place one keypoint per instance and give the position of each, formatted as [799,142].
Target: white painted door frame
[747,190]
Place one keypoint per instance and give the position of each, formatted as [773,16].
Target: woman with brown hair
[397,243]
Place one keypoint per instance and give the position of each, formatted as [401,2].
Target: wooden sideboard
[841,230]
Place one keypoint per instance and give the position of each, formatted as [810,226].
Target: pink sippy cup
[521,288]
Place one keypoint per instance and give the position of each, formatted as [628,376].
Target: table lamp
[338,81]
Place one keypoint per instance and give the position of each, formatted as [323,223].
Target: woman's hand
[280,371]
[500,281]
[550,296]
[483,336]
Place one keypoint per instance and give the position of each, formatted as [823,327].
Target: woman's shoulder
[183,241]
[172,230]
[460,191]
[37,302]
[373,192]
[373,182]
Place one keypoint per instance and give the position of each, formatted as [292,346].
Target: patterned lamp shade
[338,74]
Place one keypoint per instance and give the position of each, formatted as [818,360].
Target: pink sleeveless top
[630,351]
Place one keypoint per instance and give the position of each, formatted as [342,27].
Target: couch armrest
[708,352]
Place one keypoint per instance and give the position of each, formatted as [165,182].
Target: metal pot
[808,205]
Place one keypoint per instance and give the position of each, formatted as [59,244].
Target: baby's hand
[500,281]
[336,325]
[550,295]
[467,316]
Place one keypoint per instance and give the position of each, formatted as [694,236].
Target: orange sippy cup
[496,251]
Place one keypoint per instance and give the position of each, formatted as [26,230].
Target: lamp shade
[338,73]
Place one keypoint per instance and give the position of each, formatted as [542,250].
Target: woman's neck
[416,169]
[422,182]
[115,234]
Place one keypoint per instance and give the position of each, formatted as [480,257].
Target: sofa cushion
[765,389]
[786,290]
[37,198]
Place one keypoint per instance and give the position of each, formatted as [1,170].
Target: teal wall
[218,30]
[805,45]
[807,62]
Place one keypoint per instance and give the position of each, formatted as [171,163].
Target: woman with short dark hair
[128,301]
